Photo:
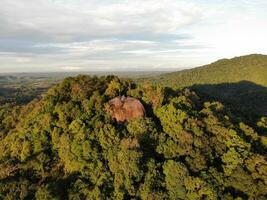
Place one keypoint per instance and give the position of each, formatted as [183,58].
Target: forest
[239,83]
[64,145]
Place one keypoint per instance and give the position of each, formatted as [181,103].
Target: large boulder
[124,108]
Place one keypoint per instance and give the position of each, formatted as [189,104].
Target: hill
[239,83]
[66,146]
[251,68]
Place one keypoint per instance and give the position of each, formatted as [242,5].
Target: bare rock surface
[124,108]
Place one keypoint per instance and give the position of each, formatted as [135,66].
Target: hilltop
[66,146]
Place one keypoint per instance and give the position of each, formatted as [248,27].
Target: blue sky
[92,35]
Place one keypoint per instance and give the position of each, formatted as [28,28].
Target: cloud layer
[51,35]
[66,20]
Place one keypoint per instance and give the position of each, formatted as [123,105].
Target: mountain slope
[251,68]
[240,83]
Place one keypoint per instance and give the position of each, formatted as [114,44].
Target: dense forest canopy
[65,146]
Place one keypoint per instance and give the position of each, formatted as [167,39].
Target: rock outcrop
[124,108]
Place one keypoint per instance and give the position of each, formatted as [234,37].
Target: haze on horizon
[113,35]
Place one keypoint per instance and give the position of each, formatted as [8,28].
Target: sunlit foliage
[65,146]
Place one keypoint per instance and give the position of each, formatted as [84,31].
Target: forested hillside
[240,83]
[66,146]
[252,68]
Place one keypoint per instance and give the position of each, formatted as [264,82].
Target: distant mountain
[251,68]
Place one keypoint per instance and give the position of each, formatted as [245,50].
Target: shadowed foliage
[244,98]
[240,83]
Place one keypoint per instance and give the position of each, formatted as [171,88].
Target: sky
[127,35]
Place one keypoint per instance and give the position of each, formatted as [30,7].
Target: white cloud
[65,20]
[90,33]
[23,60]
[48,35]
[71,68]
[238,28]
